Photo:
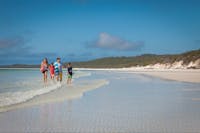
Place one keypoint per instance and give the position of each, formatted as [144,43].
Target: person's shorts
[69,76]
[44,71]
[56,73]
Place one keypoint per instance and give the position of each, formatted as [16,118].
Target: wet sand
[129,103]
[192,76]
[184,75]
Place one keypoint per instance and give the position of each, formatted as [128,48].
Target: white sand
[192,76]
[184,75]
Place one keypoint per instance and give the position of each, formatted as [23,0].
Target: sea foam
[27,86]
[10,98]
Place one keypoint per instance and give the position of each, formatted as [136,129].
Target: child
[69,73]
[51,68]
[44,69]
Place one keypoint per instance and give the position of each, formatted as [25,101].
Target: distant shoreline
[17,68]
[113,69]
[182,75]
[189,59]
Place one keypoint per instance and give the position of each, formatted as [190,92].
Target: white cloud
[107,41]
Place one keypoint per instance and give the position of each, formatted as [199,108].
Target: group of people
[55,70]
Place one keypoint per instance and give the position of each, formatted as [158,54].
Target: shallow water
[20,85]
[130,103]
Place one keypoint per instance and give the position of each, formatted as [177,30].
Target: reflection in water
[69,105]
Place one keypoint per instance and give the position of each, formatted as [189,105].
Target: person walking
[44,69]
[52,69]
[69,73]
[58,69]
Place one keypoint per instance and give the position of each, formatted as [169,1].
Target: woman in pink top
[44,69]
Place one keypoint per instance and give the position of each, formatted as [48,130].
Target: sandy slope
[192,76]
[184,75]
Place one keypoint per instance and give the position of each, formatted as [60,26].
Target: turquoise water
[19,79]
[20,85]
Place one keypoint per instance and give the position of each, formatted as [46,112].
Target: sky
[81,30]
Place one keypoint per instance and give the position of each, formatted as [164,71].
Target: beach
[99,66]
[107,100]
[184,75]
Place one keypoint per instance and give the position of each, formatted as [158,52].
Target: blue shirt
[58,67]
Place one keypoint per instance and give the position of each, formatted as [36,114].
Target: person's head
[52,63]
[69,64]
[58,59]
[45,60]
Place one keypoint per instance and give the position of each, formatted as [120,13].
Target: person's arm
[61,67]
[67,70]
[41,66]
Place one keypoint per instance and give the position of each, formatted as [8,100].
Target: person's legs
[53,76]
[60,76]
[57,76]
[69,78]
[45,77]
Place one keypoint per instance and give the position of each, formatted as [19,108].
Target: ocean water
[130,103]
[20,85]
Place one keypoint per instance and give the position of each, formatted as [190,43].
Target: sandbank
[183,75]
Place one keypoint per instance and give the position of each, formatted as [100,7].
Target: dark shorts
[44,71]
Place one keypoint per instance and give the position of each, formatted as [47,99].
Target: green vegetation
[118,62]
[143,60]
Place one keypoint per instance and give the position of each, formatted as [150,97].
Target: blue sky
[79,30]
